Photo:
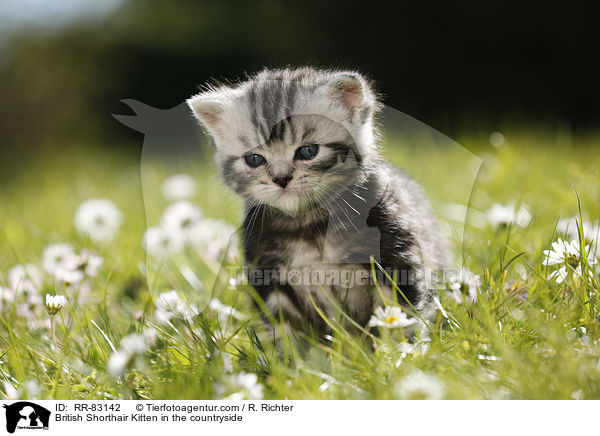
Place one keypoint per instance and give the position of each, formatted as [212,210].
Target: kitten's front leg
[281,303]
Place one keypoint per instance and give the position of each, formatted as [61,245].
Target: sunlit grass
[525,337]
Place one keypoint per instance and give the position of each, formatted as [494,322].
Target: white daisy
[240,386]
[236,281]
[54,255]
[390,317]
[167,300]
[233,254]
[169,306]
[521,271]
[34,322]
[577,395]
[90,262]
[418,385]
[54,303]
[63,263]
[99,218]
[224,312]
[68,267]
[10,391]
[131,346]
[180,217]
[503,215]
[591,232]
[118,361]
[568,227]
[25,278]
[70,271]
[159,243]
[27,304]
[34,299]
[211,236]
[32,389]
[566,256]
[7,296]
[150,335]
[27,311]
[227,361]
[179,187]
[465,284]
[134,343]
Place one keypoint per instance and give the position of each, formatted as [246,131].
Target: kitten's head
[291,139]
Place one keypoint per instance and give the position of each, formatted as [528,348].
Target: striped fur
[338,209]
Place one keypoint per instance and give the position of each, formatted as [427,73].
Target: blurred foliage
[469,65]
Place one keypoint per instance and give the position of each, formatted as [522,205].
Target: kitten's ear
[352,90]
[208,108]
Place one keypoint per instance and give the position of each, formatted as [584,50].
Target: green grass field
[525,337]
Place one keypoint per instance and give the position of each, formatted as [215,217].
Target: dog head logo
[26,415]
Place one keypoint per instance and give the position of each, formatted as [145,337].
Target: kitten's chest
[305,254]
[311,271]
[317,269]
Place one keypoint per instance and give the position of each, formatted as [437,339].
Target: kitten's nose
[282,181]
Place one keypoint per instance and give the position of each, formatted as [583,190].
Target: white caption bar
[297,417]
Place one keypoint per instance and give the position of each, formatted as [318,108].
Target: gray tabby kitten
[300,147]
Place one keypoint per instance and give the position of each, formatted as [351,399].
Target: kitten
[300,147]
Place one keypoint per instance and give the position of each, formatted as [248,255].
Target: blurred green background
[462,67]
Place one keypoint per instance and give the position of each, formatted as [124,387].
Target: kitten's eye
[307,152]
[254,160]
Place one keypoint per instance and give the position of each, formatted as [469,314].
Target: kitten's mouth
[291,200]
[286,192]
[287,195]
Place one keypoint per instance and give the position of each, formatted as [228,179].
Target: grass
[526,337]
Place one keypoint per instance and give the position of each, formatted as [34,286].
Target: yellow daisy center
[572,261]
[391,319]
